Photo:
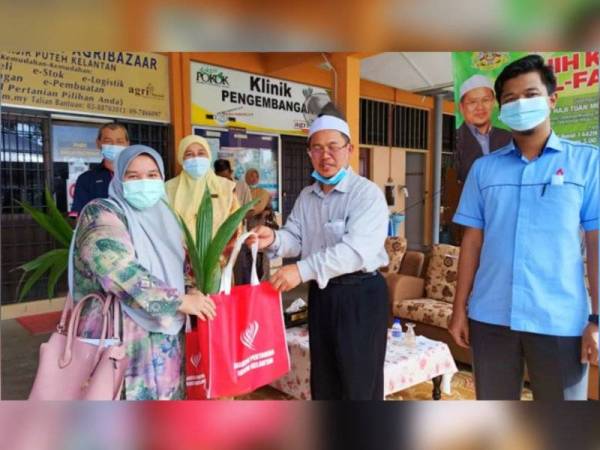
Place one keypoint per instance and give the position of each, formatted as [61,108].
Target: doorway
[295,171]
[415,203]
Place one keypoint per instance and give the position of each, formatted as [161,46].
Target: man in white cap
[476,136]
[338,226]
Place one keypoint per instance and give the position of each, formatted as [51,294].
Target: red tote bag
[195,380]
[244,347]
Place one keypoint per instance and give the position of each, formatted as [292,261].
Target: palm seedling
[205,251]
[53,262]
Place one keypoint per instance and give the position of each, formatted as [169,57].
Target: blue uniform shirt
[90,185]
[531,274]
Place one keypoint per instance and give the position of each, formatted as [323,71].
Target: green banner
[576,114]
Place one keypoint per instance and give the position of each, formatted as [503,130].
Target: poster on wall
[224,97]
[264,160]
[75,142]
[114,84]
[575,116]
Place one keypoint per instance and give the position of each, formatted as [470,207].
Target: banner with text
[224,97]
[575,116]
[113,84]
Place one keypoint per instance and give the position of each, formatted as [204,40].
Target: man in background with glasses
[476,136]
[338,226]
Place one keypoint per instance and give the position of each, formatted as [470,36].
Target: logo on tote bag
[195,359]
[249,334]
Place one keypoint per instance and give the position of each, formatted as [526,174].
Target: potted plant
[53,262]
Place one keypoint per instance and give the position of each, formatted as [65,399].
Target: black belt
[353,278]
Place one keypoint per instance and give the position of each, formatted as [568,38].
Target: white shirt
[337,233]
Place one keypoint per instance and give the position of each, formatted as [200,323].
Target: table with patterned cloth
[404,366]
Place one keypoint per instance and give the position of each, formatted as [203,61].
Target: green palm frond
[224,234]
[55,261]
[205,251]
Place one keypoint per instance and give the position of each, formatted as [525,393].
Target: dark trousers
[501,354]
[347,324]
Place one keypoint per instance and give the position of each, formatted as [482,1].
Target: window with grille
[27,167]
[386,124]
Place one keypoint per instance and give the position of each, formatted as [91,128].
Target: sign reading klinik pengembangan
[224,97]
[114,84]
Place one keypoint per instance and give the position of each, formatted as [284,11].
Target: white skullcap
[329,123]
[476,81]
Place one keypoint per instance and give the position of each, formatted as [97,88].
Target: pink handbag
[72,369]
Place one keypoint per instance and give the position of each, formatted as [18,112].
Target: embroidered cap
[476,81]
[329,123]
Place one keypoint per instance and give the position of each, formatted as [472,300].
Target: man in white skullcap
[338,227]
[476,136]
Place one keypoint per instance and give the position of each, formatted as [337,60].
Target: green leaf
[57,218]
[40,260]
[48,260]
[215,281]
[46,223]
[192,251]
[204,228]
[223,236]
[55,273]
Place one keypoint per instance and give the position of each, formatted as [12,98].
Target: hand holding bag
[73,369]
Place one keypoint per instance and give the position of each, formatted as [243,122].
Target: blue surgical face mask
[142,194]
[196,167]
[110,151]
[525,114]
[333,180]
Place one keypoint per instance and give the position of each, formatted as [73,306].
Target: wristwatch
[593,318]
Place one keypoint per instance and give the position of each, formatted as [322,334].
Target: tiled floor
[19,353]
[19,357]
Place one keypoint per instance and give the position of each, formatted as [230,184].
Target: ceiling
[421,72]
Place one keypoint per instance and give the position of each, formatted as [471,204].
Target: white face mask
[197,166]
[111,152]
[525,114]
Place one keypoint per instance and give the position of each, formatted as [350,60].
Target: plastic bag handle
[227,276]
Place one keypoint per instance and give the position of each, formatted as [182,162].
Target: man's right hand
[265,236]
[459,327]
[197,304]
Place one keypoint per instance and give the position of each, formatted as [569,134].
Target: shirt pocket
[334,232]
[559,207]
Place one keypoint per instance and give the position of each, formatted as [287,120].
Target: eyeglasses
[333,149]
[472,104]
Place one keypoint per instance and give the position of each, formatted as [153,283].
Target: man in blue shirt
[112,138]
[338,226]
[521,270]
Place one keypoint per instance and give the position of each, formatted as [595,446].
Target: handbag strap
[67,309]
[227,277]
[67,356]
[116,313]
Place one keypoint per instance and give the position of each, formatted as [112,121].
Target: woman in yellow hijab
[185,191]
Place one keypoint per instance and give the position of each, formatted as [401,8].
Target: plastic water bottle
[397,331]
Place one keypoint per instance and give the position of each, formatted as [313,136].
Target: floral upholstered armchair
[427,301]
[402,262]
